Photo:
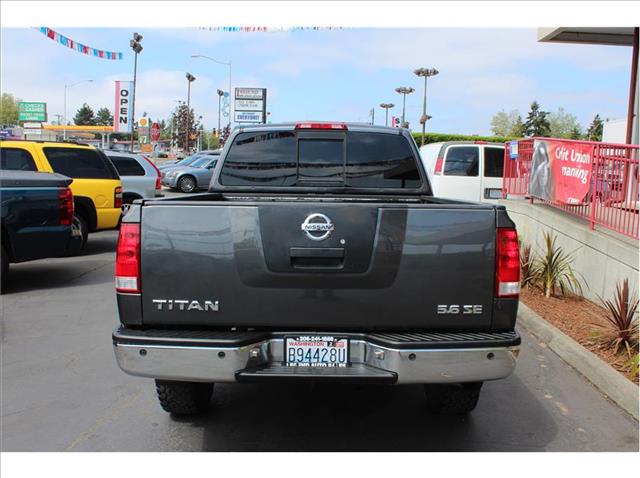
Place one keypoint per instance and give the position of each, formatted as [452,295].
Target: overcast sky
[327,74]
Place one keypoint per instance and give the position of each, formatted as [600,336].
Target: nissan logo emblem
[317,227]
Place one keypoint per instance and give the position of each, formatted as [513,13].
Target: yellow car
[96,186]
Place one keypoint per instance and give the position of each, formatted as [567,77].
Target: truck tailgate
[383,266]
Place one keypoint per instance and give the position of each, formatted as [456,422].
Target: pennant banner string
[79,47]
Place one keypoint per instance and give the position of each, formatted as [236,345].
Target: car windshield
[201,162]
[189,160]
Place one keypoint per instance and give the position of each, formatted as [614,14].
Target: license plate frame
[324,343]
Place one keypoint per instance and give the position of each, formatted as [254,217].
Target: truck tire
[183,398]
[452,399]
[80,232]
[187,184]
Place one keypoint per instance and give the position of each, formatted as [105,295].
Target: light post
[190,78]
[64,134]
[426,73]
[136,46]
[220,63]
[404,91]
[220,93]
[386,107]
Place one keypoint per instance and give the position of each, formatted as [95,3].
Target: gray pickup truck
[318,254]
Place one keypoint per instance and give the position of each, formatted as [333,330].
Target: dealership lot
[62,390]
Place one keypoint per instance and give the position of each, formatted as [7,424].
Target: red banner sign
[155,132]
[561,170]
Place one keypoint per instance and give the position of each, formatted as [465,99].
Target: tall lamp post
[190,78]
[220,63]
[426,73]
[136,46]
[404,91]
[64,134]
[220,94]
[386,107]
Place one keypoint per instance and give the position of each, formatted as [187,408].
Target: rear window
[16,159]
[80,163]
[493,162]
[127,166]
[462,161]
[352,159]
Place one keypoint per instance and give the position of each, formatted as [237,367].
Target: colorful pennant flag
[266,29]
[79,47]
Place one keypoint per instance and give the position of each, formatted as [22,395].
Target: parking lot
[62,390]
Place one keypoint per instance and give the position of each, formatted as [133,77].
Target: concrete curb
[604,377]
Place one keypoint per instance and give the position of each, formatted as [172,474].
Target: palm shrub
[528,270]
[553,269]
[621,320]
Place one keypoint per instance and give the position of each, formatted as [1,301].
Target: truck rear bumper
[255,356]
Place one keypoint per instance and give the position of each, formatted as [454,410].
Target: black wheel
[79,234]
[453,399]
[183,398]
[187,184]
[5,267]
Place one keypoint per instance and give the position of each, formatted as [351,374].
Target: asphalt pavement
[63,391]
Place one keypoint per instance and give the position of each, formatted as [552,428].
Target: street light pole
[136,46]
[404,91]
[190,78]
[220,93]
[220,63]
[426,73]
[64,131]
[386,107]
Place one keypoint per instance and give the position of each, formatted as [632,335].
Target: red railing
[613,197]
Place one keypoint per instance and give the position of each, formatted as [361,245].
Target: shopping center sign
[250,105]
[32,111]
[561,170]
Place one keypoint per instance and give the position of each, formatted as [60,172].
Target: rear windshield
[127,166]
[80,163]
[344,159]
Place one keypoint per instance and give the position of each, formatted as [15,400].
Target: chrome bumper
[231,364]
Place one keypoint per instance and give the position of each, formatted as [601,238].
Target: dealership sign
[250,105]
[32,111]
[122,120]
[561,171]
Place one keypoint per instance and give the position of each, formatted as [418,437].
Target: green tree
[183,119]
[537,123]
[594,133]
[104,117]
[503,123]
[562,124]
[576,133]
[85,116]
[8,110]
[517,130]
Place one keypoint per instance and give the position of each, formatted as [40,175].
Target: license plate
[316,351]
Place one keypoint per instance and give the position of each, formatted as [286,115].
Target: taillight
[65,207]
[437,170]
[117,198]
[128,258]
[159,177]
[321,126]
[507,263]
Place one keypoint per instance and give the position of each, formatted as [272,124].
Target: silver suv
[140,178]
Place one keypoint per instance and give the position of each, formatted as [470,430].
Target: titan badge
[183,304]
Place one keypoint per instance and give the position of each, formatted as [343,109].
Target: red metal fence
[613,196]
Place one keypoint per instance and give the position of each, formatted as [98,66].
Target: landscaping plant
[622,321]
[553,269]
[528,271]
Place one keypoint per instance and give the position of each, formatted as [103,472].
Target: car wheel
[183,398]
[187,184]
[452,399]
[79,234]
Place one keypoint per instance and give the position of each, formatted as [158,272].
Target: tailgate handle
[317,257]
